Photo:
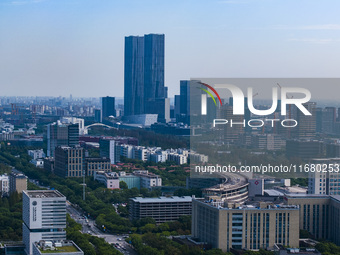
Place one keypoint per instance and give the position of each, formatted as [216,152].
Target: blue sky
[62,47]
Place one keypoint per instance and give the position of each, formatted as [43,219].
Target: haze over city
[58,47]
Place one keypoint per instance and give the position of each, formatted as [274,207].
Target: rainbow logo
[209,93]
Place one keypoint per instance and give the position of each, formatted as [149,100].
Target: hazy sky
[63,47]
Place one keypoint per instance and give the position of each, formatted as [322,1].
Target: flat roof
[162,199]
[273,192]
[43,193]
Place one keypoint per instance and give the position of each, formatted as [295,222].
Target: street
[89,227]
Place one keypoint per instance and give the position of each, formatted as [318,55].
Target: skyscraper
[61,134]
[108,107]
[134,75]
[144,76]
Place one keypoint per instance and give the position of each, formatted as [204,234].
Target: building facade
[161,209]
[69,161]
[249,227]
[44,217]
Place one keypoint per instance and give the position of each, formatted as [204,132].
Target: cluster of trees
[11,217]
[91,245]
[156,244]
[145,137]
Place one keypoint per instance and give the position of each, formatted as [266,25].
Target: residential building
[69,161]
[252,226]
[44,217]
[161,209]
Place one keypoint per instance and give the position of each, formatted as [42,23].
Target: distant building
[49,164]
[148,180]
[304,149]
[319,215]
[250,227]
[306,128]
[61,135]
[69,161]
[325,181]
[97,115]
[110,148]
[17,182]
[108,107]
[36,154]
[44,217]
[74,120]
[110,180]
[161,209]
[93,165]
[144,91]
[4,184]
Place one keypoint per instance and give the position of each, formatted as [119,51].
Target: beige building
[17,181]
[319,215]
[251,227]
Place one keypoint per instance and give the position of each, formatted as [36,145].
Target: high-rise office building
[306,128]
[109,149]
[108,107]
[134,75]
[69,161]
[144,91]
[44,217]
[153,68]
[59,134]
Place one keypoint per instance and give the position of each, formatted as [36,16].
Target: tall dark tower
[153,67]
[108,107]
[134,75]
[144,90]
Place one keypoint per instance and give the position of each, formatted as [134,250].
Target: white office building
[44,217]
[325,181]
[4,184]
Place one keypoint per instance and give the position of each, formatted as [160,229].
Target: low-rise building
[148,180]
[4,184]
[53,248]
[36,154]
[110,180]
[161,209]
[253,226]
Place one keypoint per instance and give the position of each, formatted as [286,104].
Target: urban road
[89,227]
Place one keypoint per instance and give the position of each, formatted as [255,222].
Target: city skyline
[70,47]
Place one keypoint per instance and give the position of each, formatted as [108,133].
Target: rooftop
[162,199]
[43,193]
[49,247]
